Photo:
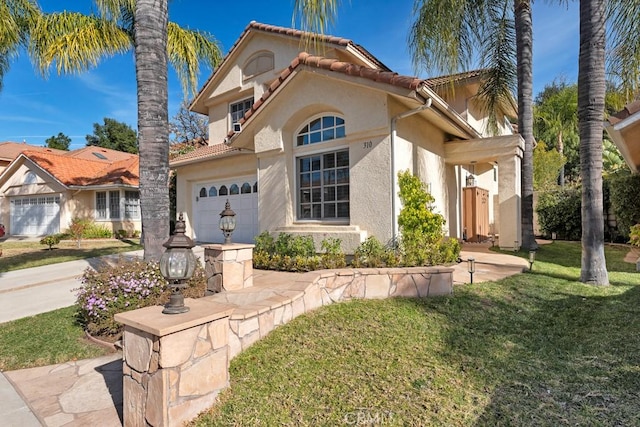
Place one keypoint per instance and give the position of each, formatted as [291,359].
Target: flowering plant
[127,285]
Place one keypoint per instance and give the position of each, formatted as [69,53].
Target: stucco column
[509,195]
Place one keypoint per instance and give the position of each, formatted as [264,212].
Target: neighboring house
[624,129]
[42,189]
[10,150]
[312,145]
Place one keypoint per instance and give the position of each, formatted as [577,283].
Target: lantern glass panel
[177,263]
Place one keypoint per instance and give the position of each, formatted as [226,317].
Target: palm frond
[75,42]
[624,45]
[117,10]
[500,81]
[315,17]
[186,49]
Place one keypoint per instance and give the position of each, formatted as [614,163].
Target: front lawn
[535,349]
[17,255]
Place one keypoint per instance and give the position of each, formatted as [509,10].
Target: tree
[114,135]
[448,37]
[17,17]
[75,42]
[59,142]
[546,165]
[188,127]
[591,94]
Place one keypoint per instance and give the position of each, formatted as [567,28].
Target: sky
[33,108]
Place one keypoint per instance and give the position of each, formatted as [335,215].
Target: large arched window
[321,129]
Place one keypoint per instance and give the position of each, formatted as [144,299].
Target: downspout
[394,120]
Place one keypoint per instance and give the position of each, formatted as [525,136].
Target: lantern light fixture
[177,265]
[532,258]
[471,267]
[227,222]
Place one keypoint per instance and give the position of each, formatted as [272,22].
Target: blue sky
[32,108]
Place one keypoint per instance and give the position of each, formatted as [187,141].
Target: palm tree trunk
[524,52]
[153,122]
[561,151]
[591,93]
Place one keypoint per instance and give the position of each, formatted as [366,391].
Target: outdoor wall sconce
[471,181]
[471,267]
[227,222]
[177,265]
[532,258]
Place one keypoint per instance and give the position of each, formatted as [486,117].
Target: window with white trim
[320,130]
[131,205]
[114,204]
[323,185]
[30,178]
[237,109]
[101,205]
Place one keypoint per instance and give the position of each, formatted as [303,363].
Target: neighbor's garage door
[35,216]
[209,201]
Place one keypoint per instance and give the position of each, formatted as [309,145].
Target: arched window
[255,187]
[223,191]
[203,192]
[321,129]
[246,188]
[30,178]
[258,64]
[234,189]
[213,192]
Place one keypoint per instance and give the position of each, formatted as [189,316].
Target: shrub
[127,234]
[51,240]
[127,285]
[77,228]
[625,202]
[559,212]
[97,231]
[289,245]
[372,253]
[332,255]
[296,253]
[265,243]
[422,239]
[634,235]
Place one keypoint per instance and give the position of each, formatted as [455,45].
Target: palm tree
[16,16]
[447,39]
[591,94]
[75,42]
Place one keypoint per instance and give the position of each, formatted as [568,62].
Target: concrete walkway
[89,392]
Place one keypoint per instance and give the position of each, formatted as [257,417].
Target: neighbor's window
[114,204]
[131,205]
[237,110]
[101,205]
[323,185]
[321,129]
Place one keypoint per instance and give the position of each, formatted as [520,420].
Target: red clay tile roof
[10,150]
[628,110]
[73,171]
[202,153]
[92,152]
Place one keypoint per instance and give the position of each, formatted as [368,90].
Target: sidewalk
[89,392]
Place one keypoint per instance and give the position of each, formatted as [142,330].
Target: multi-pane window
[131,205]
[323,185]
[321,129]
[114,204]
[237,109]
[101,205]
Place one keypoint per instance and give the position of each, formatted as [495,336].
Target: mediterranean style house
[42,189]
[312,144]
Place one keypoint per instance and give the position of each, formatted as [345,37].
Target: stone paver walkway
[89,392]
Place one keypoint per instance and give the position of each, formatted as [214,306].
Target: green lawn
[17,255]
[536,349]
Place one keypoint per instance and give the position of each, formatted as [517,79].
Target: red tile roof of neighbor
[11,150]
[207,152]
[75,171]
[627,111]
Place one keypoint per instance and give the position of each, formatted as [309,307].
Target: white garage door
[35,216]
[209,201]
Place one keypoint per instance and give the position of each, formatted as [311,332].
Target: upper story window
[321,129]
[30,178]
[259,63]
[237,109]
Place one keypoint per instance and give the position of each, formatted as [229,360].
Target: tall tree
[150,29]
[114,135]
[188,127]
[59,142]
[74,42]
[591,94]
[524,48]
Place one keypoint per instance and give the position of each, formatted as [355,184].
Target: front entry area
[209,201]
[35,215]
